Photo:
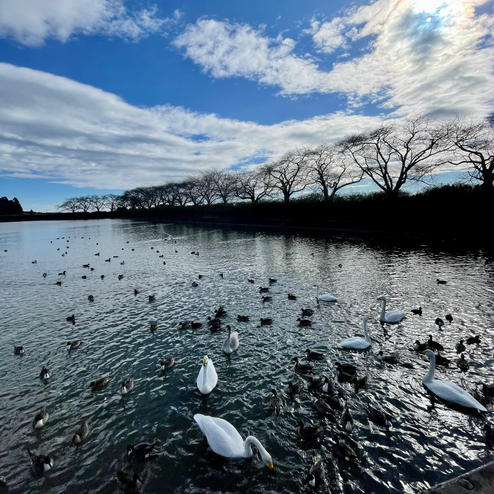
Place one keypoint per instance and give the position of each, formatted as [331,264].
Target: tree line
[389,156]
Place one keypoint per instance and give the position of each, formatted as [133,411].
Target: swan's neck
[383,309]
[253,441]
[432,367]
[204,374]
[317,291]
[367,337]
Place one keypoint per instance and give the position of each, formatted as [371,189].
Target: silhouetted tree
[254,185]
[10,206]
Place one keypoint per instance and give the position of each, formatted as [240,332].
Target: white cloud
[31,22]
[434,59]
[58,129]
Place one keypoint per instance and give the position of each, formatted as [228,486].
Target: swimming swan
[207,378]
[390,317]
[231,343]
[447,390]
[325,297]
[225,440]
[357,342]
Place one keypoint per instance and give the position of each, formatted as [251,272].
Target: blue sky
[104,95]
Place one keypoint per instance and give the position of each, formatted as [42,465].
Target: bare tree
[111,201]
[253,186]
[390,156]
[331,170]
[97,202]
[207,187]
[290,174]
[71,205]
[224,184]
[474,145]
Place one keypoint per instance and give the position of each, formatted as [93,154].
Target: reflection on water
[423,447]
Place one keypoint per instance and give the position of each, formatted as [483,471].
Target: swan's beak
[422,352]
[270,466]
[205,362]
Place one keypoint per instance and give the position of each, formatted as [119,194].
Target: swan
[231,343]
[391,317]
[207,378]
[357,342]
[225,440]
[325,297]
[447,390]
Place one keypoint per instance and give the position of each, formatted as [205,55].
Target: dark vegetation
[12,206]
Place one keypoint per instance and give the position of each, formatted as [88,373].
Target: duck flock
[331,385]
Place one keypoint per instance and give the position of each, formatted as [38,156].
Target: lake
[426,444]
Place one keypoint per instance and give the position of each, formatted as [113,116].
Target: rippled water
[423,447]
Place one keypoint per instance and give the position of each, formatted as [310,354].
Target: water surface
[425,445]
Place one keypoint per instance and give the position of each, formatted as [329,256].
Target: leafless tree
[474,146]
[71,205]
[96,202]
[224,184]
[331,170]
[391,155]
[254,185]
[207,187]
[111,201]
[290,174]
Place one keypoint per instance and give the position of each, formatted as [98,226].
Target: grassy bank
[450,213]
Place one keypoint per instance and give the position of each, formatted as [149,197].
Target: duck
[265,321]
[120,276]
[40,464]
[315,382]
[417,312]
[441,282]
[291,296]
[304,323]
[45,275]
[379,416]
[345,372]
[276,402]
[136,291]
[357,342]
[73,345]
[473,340]
[263,289]
[183,325]
[389,317]
[488,390]
[220,312]
[360,383]
[214,324]
[324,408]
[434,345]
[347,420]
[225,440]
[460,347]
[231,344]
[295,388]
[18,350]
[309,432]
[388,359]
[346,452]
[168,363]
[127,385]
[440,360]
[449,318]
[44,375]
[71,319]
[195,324]
[151,298]
[100,383]
[327,386]
[81,433]
[324,297]
[272,280]
[439,322]
[307,312]
[250,280]
[303,368]
[311,355]
[129,480]
[316,478]
[40,419]
[267,298]
[103,277]
[462,363]
[90,298]
[142,451]
[194,284]
[447,390]
[58,283]
[242,318]
[207,377]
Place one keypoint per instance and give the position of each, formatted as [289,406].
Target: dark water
[422,448]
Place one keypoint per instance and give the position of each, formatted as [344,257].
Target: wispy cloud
[432,57]
[64,131]
[31,22]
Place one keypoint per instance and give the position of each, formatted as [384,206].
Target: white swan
[325,297]
[231,343]
[357,342]
[225,440]
[392,316]
[447,390]
[207,378]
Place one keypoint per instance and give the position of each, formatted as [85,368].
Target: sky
[100,96]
